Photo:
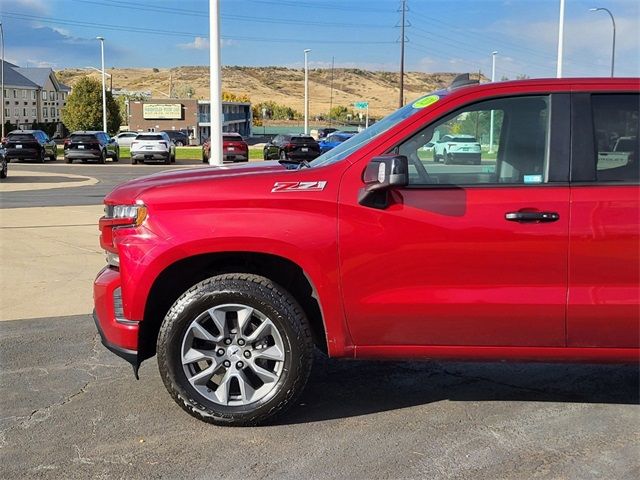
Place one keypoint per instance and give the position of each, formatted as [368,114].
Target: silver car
[124,139]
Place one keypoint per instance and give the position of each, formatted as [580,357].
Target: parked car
[179,139]
[233,276]
[324,132]
[152,146]
[3,162]
[124,139]
[234,148]
[291,148]
[333,140]
[457,149]
[90,145]
[30,145]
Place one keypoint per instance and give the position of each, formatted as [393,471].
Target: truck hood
[129,191]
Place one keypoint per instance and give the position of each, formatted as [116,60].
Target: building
[192,116]
[32,95]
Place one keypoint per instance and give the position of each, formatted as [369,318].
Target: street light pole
[2,73]
[493,79]
[306,91]
[104,92]
[613,47]
[560,40]
[215,85]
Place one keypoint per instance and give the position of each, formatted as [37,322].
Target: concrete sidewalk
[50,256]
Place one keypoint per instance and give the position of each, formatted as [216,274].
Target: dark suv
[30,145]
[90,145]
[179,139]
[291,147]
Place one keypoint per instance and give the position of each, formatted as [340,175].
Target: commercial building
[32,95]
[189,115]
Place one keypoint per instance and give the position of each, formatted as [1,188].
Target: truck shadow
[348,388]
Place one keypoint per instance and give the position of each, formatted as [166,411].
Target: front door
[473,251]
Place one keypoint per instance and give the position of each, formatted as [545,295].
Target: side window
[615,121]
[495,141]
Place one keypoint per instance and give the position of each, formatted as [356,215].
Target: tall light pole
[493,79]
[613,47]
[306,90]
[104,89]
[2,73]
[560,40]
[215,85]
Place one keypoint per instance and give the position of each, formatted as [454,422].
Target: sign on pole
[361,105]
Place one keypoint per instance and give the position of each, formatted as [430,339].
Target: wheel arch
[176,278]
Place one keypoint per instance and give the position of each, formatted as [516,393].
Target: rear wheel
[103,157]
[134,161]
[116,157]
[68,160]
[235,349]
[41,156]
[167,160]
[3,170]
[448,159]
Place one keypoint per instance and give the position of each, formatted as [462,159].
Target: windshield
[361,139]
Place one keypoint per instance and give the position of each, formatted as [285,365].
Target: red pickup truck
[232,276]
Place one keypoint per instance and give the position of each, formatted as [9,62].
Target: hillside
[279,84]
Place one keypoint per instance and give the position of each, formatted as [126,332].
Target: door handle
[538,217]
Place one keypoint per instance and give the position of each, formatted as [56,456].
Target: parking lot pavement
[50,258]
[71,409]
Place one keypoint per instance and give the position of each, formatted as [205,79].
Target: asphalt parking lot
[71,409]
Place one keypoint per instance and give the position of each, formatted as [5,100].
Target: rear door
[604,266]
[466,254]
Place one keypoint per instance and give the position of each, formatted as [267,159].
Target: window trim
[559,143]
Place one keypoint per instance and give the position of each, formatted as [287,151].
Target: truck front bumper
[118,334]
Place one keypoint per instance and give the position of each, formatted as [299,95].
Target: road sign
[361,105]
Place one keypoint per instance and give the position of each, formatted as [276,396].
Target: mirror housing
[382,174]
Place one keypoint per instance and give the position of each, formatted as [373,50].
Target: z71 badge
[299,186]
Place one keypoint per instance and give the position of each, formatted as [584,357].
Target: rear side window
[615,121]
[149,137]
[231,138]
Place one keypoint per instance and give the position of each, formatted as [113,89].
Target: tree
[234,97]
[184,90]
[84,108]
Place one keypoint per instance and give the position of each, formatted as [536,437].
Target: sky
[442,36]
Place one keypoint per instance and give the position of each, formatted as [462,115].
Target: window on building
[34,112]
[16,112]
[7,112]
[34,95]
[15,93]
[24,94]
[44,94]
[45,112]
[24,112]
[617,137]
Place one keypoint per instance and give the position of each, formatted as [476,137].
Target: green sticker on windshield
[426,101]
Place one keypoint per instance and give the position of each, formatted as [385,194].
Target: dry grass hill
[279,84]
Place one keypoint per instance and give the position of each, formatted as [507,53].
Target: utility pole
[2,87]
[170,85]
[493,79]
[402,38]
[215,84]
[104,93]
[560,40]
[331,94]
[306,90]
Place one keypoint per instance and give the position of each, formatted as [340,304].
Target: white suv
[457,149]
[153,146]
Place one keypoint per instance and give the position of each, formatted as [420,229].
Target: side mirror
[381,175]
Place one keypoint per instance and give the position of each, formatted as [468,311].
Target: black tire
[3,170]
[263,295]
[42,156]
[167,160]
[265,155]
[179,144]
[447,158]
[68,160]
[435,157]
[116,157]
[173,158]
[134,161]
[103,157]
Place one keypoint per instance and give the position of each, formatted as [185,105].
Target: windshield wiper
[294,165]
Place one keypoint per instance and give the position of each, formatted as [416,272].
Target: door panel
[444,267]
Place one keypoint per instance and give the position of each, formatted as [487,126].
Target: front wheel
[116,157]
[103,157]
[235,349]
[283,155]
[3,171]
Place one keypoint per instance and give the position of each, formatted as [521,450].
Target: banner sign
[162,111]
